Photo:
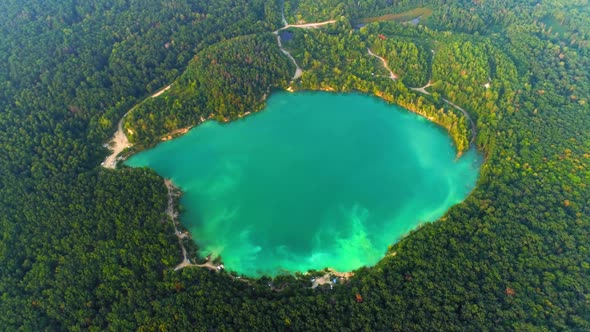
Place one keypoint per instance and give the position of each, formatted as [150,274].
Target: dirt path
[473,127]
[472,124]
[306,25]
[173,193]
[298,70]
[392,75]
[329,277]
[119,142]
[161,91]
[173,215]
[423,89]
[460,109]
[187,263]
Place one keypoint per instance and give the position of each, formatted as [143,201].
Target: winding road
[298,70]
[460,109]
[119,142]
[392,75]
[473,127]
[173,215]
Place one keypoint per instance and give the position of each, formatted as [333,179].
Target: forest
[88,248]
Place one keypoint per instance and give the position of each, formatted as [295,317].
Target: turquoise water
[315,180]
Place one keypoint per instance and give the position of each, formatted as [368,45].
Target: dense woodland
[86,248]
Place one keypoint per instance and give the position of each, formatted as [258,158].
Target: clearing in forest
[406,16]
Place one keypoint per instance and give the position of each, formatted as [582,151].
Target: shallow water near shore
[314,180]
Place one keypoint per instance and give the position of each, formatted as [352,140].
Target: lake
[314,180]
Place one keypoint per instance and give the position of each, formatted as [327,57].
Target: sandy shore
[120,142]
[330,276]
[174,193]
[175,133]
[117,144]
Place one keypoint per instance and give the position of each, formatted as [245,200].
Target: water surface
[315,180]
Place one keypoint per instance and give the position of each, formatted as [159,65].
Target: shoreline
[326,276]
[174,193]
[331,277]
[463,111]
[182,131]
[119,142]
[380,95]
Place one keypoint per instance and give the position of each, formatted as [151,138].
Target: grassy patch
[421,12]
